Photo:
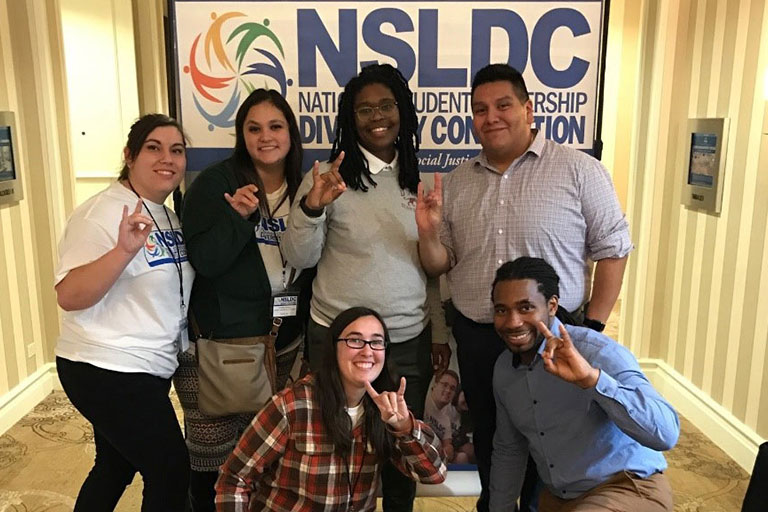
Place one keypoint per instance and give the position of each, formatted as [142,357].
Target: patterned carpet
[45,457]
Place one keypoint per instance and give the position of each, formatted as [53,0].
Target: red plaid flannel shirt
[284,461]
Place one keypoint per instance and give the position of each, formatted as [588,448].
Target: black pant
[202,491]
[135,429]
[411,359]
[478,346]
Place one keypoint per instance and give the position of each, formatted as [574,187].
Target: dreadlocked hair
[354,168]
[540,271]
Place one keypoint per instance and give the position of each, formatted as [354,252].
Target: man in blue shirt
[577,401]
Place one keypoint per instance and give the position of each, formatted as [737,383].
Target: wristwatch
[595,325]
[310,212]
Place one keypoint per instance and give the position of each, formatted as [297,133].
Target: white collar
[376,165]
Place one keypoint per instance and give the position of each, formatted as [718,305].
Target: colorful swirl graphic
[219,84]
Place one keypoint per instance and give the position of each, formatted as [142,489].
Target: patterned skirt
[211,439]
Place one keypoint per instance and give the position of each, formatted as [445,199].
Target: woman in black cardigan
[234,215]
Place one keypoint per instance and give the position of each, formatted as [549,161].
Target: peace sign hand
[133,230]
[562,359]
[429,207]
[392,406]
[326,187]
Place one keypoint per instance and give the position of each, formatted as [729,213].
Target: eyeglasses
[385,109]
[358,343]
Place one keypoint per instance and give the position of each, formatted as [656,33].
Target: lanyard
[350,485]
[283,261]
[176,258]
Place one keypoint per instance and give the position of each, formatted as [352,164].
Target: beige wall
[103,98]
[47,48]
[32,85]
[692,291]
[131,81]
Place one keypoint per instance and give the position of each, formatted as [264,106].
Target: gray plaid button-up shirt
[553,202]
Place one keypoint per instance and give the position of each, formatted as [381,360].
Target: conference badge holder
[285,304]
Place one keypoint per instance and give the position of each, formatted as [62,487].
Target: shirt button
[501,231]
[551,465]
[505,176]
[541,433]
[535,402]
[501,261]
[501,202]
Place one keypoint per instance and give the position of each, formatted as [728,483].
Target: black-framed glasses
[358,343]
[385,109]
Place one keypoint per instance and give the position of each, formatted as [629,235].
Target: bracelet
[595,325]
[309,212]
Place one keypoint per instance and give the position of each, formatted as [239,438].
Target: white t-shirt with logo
[134,328]
[446,422]
[269,233]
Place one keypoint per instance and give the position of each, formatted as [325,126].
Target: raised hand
[429,208]
[326,187]
[244,201]
[133,230]
[562,359]
[441,357]
[392,406]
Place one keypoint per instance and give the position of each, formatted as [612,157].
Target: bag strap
[276,323]
[193,324]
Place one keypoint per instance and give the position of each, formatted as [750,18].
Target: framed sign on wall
[10,177]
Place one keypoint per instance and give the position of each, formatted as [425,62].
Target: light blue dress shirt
[579,438]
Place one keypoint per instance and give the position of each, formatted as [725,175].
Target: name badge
[285,304]
[182,339]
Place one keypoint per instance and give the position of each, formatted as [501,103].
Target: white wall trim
[26,395]
[733,436]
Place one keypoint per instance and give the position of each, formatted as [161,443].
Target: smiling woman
[124,282]
[356,221]
[234,216]
[321,444]
[156,168]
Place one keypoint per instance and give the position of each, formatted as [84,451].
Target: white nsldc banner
[308,50]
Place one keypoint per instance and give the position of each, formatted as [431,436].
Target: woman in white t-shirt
[234,217]
[123,281]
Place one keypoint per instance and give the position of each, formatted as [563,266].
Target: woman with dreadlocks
[355,221]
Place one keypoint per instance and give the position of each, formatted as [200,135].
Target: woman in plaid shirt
[319,445]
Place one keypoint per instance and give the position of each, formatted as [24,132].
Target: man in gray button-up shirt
[522,195]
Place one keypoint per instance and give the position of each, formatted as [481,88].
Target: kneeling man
[577,401]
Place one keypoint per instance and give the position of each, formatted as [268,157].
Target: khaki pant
[626,492]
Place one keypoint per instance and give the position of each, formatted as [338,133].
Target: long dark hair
[332,399]
[244,169]
[355,166]
[547,280]
[137,135]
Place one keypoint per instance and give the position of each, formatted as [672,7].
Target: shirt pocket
[310,467]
